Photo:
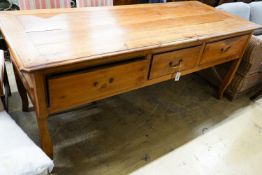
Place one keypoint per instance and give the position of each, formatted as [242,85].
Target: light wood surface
[48,38]
[95,84]
[66,58]
[171,62]
[225,49]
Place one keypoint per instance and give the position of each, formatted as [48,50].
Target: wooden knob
[225,49]
[95,84]
[172,65]
[111,80]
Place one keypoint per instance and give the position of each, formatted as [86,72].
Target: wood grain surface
[95,84]
[41,39]
[225,49]
[176,61]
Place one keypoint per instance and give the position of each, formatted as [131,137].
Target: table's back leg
[7,90]
[228,77]
[21,90]
[9,93]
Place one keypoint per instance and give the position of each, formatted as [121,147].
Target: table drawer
[171,62]
[79,88]
[226,49]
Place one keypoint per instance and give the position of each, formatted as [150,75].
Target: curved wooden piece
[21,90]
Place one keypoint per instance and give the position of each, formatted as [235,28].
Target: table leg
[40,105]
[45,139]
[6,81]
[21,90]
[228,77]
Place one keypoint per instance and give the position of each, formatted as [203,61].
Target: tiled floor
[124,133]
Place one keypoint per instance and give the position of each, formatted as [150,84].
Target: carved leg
[21,90]
[45,139]
[228,77]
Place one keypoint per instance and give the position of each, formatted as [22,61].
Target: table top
[40,39]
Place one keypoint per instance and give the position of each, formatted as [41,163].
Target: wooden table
[65,58]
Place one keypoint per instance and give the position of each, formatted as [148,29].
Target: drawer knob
[111,80]
[225,49]
[95,84]
[172,65]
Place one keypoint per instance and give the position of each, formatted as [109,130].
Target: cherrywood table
[65,58]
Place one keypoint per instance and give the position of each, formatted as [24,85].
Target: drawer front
[228,49]
[72,90]
[171,62]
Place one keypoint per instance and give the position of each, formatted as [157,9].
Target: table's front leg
[45,139]
[42,113]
